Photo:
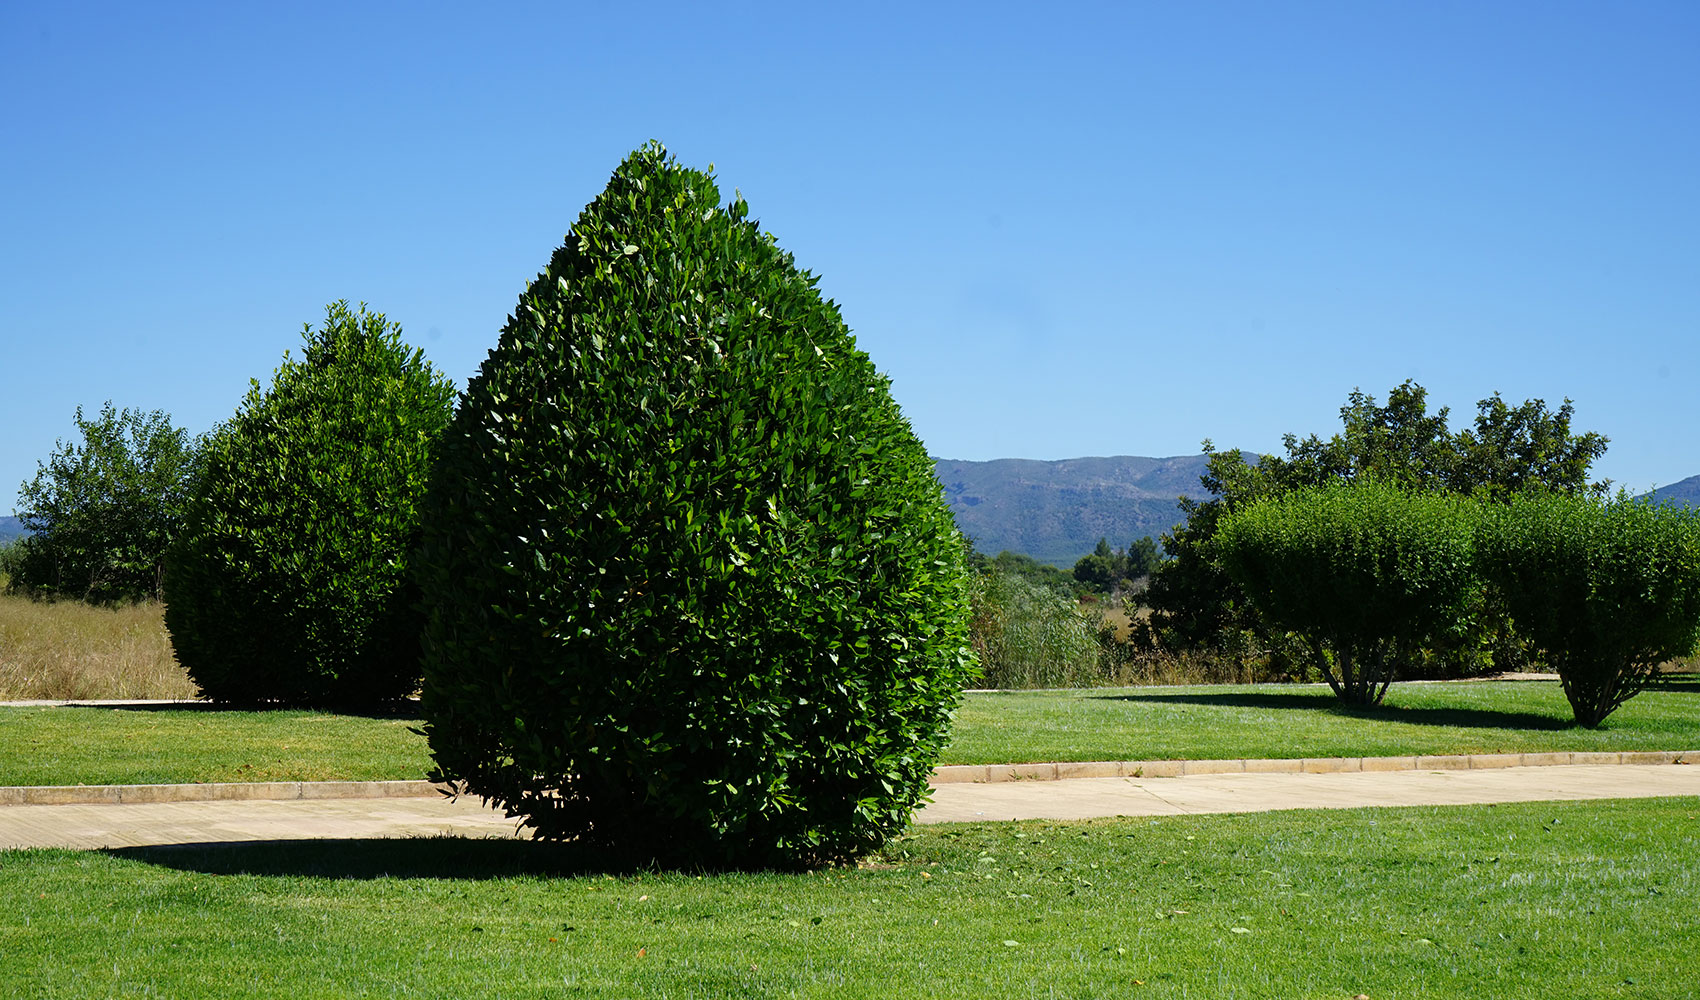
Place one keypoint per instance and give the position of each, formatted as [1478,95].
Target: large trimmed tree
[693,592]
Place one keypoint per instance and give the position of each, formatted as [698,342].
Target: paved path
[1084,798]
[99,825]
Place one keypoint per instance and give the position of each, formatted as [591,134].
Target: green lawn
[1281,721]
[101,746]
[107,746]
[1536,901]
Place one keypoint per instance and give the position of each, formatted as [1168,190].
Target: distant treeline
[1105,572]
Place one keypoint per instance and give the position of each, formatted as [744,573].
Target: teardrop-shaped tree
[692,590]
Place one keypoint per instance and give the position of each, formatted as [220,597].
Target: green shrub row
[1369,575]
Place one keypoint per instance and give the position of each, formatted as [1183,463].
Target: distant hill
[10,528]
[1057,511]
[1687,491]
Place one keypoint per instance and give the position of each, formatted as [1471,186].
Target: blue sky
[1063,230]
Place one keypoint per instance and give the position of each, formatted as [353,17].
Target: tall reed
[1030,636]
[70,650]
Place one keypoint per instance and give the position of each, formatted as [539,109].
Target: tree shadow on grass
[1324,701]
[459,858]
[1684,683]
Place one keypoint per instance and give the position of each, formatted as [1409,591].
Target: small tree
[103,511]
[1607,590]
[1366,573]
[290,582]
[1099,570]
[1142,558]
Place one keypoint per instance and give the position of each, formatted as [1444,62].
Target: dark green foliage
[290,581]
[1107,570]
[104,510]
[693,592]
[1097,570]
[1194,605]
[1607,590]
[1367,573]
[1141,558]
[1507,451]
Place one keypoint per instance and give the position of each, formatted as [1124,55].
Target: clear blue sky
[1062,230]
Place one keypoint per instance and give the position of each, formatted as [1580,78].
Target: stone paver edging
[51,795]
[63,795]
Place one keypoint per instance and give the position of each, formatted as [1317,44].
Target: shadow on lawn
[419,857]
[1325,701]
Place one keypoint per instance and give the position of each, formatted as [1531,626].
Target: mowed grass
[106,746]
[92,745]
[1537,900]
[1295,720]
[67,650]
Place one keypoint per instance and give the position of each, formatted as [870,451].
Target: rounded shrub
[1367,574]
[1607,591]
[693,593]
[289,581]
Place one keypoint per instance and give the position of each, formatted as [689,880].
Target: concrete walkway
[1085,798]
[147,819]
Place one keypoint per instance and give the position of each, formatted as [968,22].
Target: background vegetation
[69,649]
[1195,605]
[102,510]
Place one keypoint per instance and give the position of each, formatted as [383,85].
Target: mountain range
[1687,491]
[1057,511]
[10,528]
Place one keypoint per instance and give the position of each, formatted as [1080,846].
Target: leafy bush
[1367,574]
[1027,635]
[290,581]
[1509,449]
[693,591]
[103,511]
[1607,590]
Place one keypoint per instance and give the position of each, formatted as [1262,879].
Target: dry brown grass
[66,649]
